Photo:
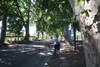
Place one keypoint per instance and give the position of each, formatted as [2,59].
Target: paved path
[68,57]
[31,55]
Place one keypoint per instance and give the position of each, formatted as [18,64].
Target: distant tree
[5,9]
[25,10]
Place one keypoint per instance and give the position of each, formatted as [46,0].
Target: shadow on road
[35,54]
[69,58]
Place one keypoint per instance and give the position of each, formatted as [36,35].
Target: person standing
[56,45]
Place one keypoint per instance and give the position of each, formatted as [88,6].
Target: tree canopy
[50,16]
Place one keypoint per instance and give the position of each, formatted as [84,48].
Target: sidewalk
[68,58]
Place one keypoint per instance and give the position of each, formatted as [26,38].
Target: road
[35,54]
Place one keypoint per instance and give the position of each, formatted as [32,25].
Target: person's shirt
[56,41]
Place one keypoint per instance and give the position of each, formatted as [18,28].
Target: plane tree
[15,14]
[6,10]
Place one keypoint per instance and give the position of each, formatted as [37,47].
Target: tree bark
[27,33]
[90,29]
[67,35]
[74,30]
[27,23]
[38,35]
[3,29]
[42,34]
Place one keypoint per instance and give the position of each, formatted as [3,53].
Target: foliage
[15,25]
[79,1]
[17,13]
[86,12]
[9,8]
[51,16]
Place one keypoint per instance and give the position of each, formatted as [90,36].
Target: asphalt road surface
[35,54]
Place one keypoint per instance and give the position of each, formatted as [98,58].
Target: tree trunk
[27,33]
[3,29]
[42,34]
[27,23]
[67,34]
[38,35]
[90,28]
[74,30]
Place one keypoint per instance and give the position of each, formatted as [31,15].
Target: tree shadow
[69,58]
[35,52]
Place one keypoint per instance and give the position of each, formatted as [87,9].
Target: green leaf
[86,12]
[67,11]
[78,2]
[90,10]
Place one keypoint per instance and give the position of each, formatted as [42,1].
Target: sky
[32,30]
